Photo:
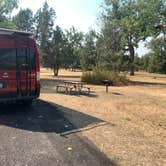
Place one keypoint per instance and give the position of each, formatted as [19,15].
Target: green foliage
[155,60]
[97,76]
[54,57]
[7,24]
[74,40]
[137,63]
[44,22]
[110,47]
[124,24]
[24,20]
[6,7]
[131,21]
[158,46]
[89,51]
[145,62]
[60,52]
[157,57]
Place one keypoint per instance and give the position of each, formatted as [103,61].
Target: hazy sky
[81,14]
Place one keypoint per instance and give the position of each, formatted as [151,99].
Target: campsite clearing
[132,126]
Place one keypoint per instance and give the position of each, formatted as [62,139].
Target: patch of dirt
[133,127]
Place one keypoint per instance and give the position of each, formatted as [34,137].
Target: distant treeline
[123,25]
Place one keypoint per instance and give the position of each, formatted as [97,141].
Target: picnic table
[75,86]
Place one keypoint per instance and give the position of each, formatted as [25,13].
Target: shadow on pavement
[45,117]
[51,118]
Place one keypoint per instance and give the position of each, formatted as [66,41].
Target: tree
[44,22]
[89,51]
[138,63]
[24,20]
[157,61]
[58,52]
[109,47]
[135,20]
[54,59]
[75,41]
[6,7]
[145,60]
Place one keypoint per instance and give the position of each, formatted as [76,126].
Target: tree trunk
[132,55]
[56,71]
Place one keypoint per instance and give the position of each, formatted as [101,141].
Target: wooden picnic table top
[74,82]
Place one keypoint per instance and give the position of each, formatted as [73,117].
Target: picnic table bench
[76,86]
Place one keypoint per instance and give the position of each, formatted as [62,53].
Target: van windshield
[7,59]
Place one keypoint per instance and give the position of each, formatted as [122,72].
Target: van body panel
[19,64]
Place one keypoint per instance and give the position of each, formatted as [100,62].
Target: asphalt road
[34,136]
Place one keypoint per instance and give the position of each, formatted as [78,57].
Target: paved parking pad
[33,136]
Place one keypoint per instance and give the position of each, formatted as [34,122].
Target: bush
[96,77]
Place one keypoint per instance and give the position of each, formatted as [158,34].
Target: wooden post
[106,88]
[107,83]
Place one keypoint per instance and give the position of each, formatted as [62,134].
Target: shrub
[96,77]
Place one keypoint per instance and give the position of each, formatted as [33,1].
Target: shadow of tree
[152,75]
[50,82]
[143,83]
[53,91]
[118,94]
[67,76]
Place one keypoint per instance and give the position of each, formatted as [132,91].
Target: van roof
[9,32]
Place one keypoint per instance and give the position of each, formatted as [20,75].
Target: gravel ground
[36,136]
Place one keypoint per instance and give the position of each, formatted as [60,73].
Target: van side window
[7,59]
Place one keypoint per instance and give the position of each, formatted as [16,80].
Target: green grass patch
[96,77]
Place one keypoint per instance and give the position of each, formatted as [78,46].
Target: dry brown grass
[133,131]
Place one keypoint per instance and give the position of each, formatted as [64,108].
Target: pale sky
[82,14]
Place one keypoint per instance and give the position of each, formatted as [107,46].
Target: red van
[19,67]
